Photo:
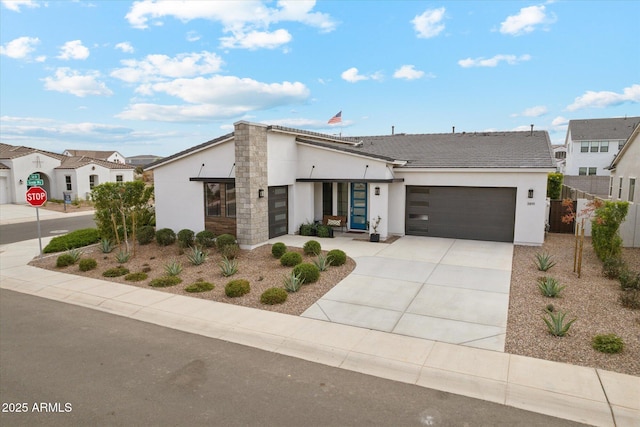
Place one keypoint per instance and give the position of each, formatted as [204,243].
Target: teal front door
[358,206]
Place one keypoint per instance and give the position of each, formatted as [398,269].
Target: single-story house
[142,160]
[108,156]
[59,173]
[261,181]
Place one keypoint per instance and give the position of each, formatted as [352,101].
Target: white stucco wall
[282,157]
[577,159]
[24,166]
[317,162]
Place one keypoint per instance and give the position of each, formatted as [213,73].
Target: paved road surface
[93,368]
[11,233]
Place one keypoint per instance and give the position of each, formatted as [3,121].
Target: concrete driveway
[449,290]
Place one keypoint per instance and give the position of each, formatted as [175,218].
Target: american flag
[336,119]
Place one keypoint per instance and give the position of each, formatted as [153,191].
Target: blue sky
[156,77]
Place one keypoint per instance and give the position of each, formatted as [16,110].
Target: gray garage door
[477,213]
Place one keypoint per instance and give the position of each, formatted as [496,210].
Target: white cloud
[352,75]
[193,36]
[256,40]
[536,111]
[19,48]
[408,72]
[429,24]
[526,20]
[73,50]
[603,99]
[70,81]
[15,5]
[559,121]
[125,47]
[159,67]
[494,61]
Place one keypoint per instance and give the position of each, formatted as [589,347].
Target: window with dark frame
[67,181]
[119,178]
[632,188]
[620,189]
[220,199]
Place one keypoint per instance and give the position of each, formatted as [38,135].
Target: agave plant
[122,257]
[293,282]
[75,254]
[228,267]
[556,324]
[544,261]
[106,246]
[322,262]
[173,268]
[196,255]
[549,286]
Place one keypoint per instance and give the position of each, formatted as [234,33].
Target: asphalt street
[67,365]
[11,233]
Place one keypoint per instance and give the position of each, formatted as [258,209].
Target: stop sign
[36,196]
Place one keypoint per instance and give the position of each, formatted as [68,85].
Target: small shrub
[322,262]
[206,238]
[308,229]
[173,268]
[225,240]
[145,234]
[199,286]
[165,236]
[185,238]
[75,239]
[612,267]
[556,324]
[116,272]
[196,255]
[106,246]
[337,257]
[237,288]
[230,251]
[629,279]
[309,273]
[228,267]
[607,343]
[64,260]
[292,282]
[122,257]
[136,277]
[278,249]
[312,247]
[544,261]
[324,231]
[630,299]
[165,282]
[273,296]
[550,308]
[291,259]
[87,264]
[549,287]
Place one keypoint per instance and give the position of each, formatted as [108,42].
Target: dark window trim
[219,180]
[349,180]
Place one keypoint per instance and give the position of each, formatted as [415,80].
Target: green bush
[136,277]
[186,238]
[87,264]
[307,272]
[273,296]
[278,249]
[206,238]
[324,231]
[145,234]
[230,251]
[629,279]
[290,259]
[165,282]
[554,185]
[237,288]
[165,237]
[312,247]
[607,343]
[65,260]
[75,239]
[612,267]
[199,287]
[308,229]
[605,236]
[337,257]
[116,272]
[225,240]
[630,299]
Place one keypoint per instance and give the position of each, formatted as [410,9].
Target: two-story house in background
[107,156]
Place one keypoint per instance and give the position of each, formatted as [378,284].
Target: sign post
[37,197]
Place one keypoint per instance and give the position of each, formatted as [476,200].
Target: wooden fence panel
[556,212]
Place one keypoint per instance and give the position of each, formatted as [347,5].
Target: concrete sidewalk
[14,214]
[587,395]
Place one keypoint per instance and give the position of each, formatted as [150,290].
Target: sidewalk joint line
[613,415]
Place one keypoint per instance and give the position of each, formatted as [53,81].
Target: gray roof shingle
[594,129]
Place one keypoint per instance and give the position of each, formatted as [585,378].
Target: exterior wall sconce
[531,193]
[261,193]
[377,191]
[21,182]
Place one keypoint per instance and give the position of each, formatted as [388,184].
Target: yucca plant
[544,261]
[173,268]
[556,324]
[293,282]
[75,254]
[122,257]
[106,246]
[322,262]
[196,255]
[228,267]
[549,286]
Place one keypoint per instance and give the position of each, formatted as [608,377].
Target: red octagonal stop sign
[36,196]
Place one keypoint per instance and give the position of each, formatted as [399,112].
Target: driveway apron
[449,290]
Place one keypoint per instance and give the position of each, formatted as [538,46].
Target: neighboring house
[59,173]
[593,143]
[625,171]
[261,181]
[109,156]
[560,154]
[142,160]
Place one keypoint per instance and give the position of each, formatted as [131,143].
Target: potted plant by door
[375,237]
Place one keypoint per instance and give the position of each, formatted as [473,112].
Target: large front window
[220,199]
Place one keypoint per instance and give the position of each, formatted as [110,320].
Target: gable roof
[594,129]
[76,162]
[633,138]
[95,154]
[13,152]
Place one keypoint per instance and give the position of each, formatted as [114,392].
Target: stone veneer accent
[252,213]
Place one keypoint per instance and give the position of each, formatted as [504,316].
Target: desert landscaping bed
[592,299]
